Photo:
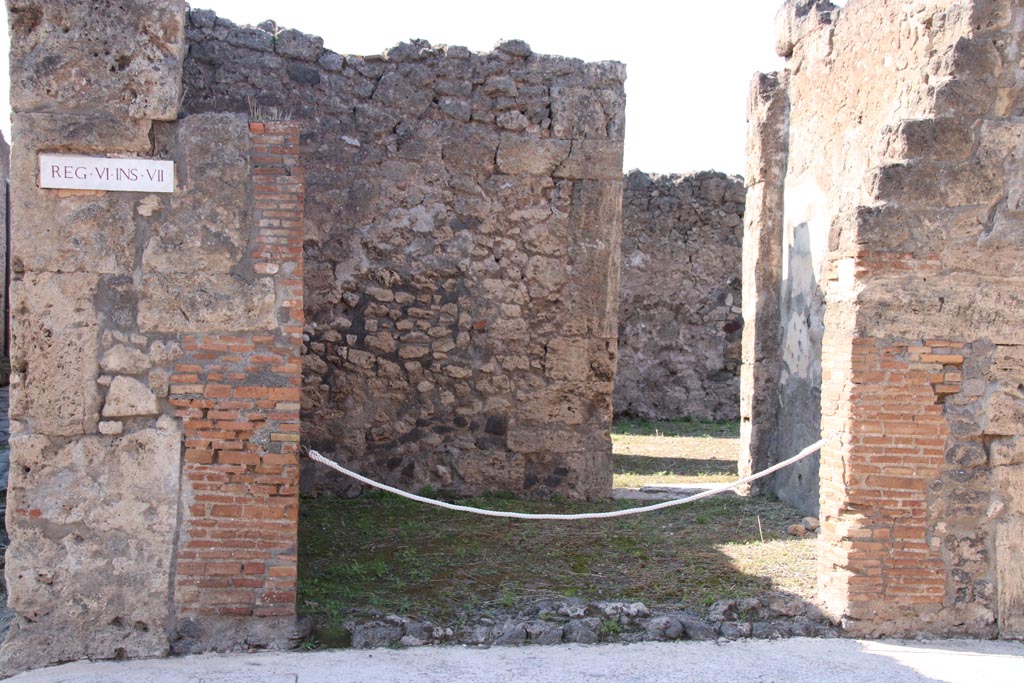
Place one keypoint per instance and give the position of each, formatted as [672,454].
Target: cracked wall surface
[882,270]
[679,297]
[462,253]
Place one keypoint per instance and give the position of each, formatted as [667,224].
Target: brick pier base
[878,564]
[238,395]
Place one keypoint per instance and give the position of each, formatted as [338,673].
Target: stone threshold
[551,622]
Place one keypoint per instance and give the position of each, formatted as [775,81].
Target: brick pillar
[877,566]
[239,397]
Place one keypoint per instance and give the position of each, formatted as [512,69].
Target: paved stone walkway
[796,660]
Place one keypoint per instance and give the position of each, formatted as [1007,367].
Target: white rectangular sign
[66,172]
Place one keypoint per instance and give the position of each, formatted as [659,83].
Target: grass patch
[650,452]
[383,553]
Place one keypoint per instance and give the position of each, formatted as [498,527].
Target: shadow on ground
[645,465]
[365,559]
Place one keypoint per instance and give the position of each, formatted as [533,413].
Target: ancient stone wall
[679,298]
[156,353]
[885,184]
[462,245]
[5,170]
[463,239]
[761,370]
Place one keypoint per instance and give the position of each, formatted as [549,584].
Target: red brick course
[237,395]
[887,398]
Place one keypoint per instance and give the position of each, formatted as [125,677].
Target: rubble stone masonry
[462,235]
[679,299]
[884,260]
[421,260]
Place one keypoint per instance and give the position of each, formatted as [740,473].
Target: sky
[689,62]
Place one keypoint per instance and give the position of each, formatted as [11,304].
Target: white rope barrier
[314,455]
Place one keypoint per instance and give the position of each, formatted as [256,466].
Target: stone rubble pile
[550,622]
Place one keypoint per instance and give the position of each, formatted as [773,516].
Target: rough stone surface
[173,303]
[5,170]
[886,216]
[54,318]
[128,397]
[197,276]
[85,234]
[551,622]
[111,427]
[460,279]
[798,19]
[63,57]
[679,299]
[101,282]
[73,566]
[124,360]
[225,634]
[767,150]
[462,253]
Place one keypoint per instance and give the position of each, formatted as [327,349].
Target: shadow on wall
[802,313]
